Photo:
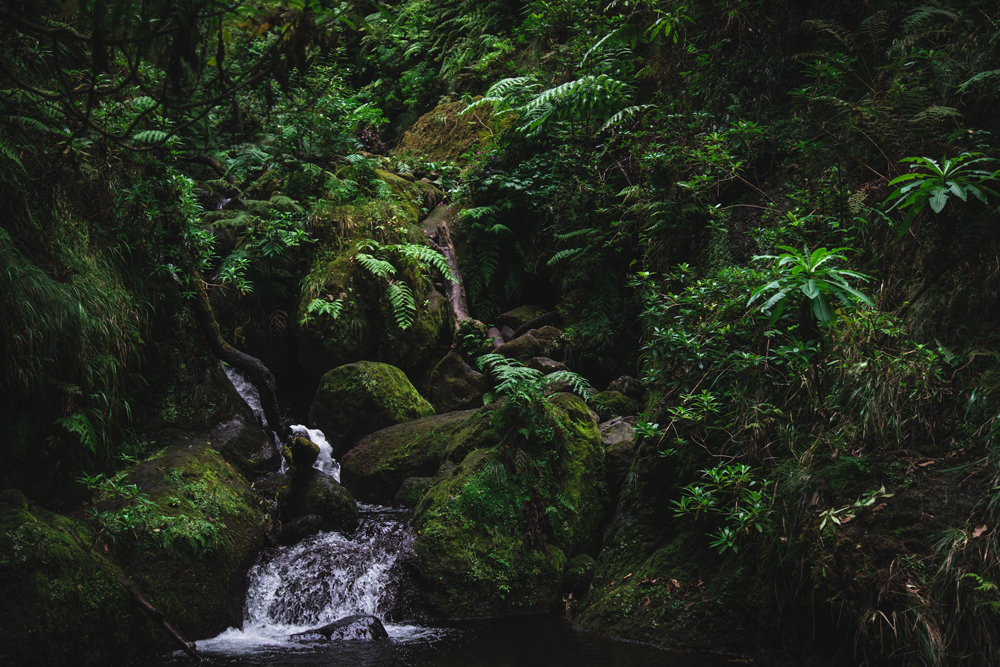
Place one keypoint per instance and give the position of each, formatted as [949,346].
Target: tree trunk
[159,617]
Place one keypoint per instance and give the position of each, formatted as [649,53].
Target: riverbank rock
[300,452]
[308,492]
[379,463]
[618,438]
[494,543]
[358,626]
[357,399]
[454,385]
[62,602]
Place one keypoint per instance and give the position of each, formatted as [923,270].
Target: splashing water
[325,462]
[320,580]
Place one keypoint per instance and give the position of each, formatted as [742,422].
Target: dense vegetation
[780,216]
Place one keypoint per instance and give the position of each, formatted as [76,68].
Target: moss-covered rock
[493,542]
[611,404]
[544,342]
[364,328]
[300,452]
[62,601]
[515,318]
[312,492]
[454,385]
[379,463]
[579,574]
[185,543]
[357,399]
[189,548]
[443,134]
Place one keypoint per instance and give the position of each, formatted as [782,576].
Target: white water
[246,389]
[320,580]
[325,462]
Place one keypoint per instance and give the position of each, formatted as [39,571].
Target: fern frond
[625,114]
[977,81]
[933,115]
[8,152]
[150,136]
[578,384]
[378,268]
[478,213]
[587,231]
[565,254]
[425,257]
[404,309]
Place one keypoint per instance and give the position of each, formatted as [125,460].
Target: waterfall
[325,462]
[324,578]
[246,389]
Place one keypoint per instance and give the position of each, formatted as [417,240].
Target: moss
[62,602]
[610,404]
[442,134]
[377,466]
[357,399]
[544,342]
[515,318]
[408,196]
[495,543]
[311,492]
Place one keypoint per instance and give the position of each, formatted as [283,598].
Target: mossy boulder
[444,134]
[611,404]
[579,574]
[377,465]
[493,542]
[185,543]
[543,342]
[364,328]
[62,600]
[454,385]
[312,492]
[188,550]
[360,398]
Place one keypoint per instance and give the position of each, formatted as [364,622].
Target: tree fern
[577,101]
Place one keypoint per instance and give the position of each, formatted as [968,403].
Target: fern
[404,309]
[424,256]
[625,114]
[577,383]
[378,268]
[150,137]
[8,152]
[977,81]
[574,101]
[566,254]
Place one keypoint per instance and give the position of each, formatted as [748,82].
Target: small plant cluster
[727,492]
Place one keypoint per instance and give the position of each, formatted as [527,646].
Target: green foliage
[952,176]
[411,258]
[727,492]
[816,277]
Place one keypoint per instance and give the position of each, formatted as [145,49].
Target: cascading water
[248,391]
[322,579]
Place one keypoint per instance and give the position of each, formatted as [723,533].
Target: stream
[329,576]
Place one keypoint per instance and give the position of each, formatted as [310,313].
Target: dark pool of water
[535,643]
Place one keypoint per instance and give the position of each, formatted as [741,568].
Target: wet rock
[618,439]
[358,626]
[507,334]
[299,529]
[357,399]
[300,452]
[454,385]
[412,490]
[267,485]
[627,385]
[311,491]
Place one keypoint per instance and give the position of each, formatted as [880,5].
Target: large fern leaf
[404,309]
[378,268]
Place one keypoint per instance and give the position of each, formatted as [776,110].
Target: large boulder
[360,398]
[454,385]
[377,466]
[310,492]
[543,342]
[520,315]
[494,541]
[185,543]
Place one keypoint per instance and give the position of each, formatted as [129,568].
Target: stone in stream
[358,626]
